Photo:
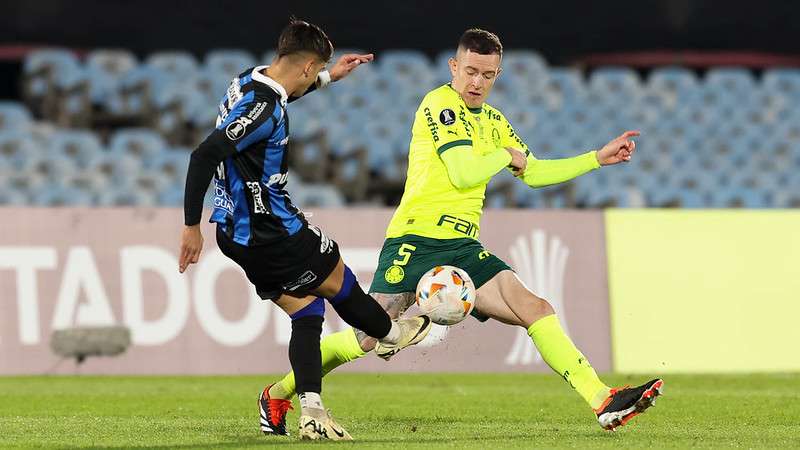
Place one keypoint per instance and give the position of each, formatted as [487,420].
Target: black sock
[360,310]
[304,353]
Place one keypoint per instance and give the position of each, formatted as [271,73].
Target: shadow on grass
[261,441]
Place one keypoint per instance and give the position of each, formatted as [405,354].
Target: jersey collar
[260,77]
[472,110]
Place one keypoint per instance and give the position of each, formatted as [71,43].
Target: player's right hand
[518,161]
[191,246]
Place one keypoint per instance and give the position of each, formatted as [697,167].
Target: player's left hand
[191,246]
[618,150]
[347,63]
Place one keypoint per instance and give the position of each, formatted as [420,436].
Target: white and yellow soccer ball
[446,294]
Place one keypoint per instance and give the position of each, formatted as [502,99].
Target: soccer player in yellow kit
[458,143]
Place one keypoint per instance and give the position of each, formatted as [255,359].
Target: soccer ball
[446,294]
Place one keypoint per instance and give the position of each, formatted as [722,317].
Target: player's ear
[453,66]
[308,68]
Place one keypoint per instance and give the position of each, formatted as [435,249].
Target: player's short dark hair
[301,36]
[481,42]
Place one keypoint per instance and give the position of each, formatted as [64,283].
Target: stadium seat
[14,116]
[41,67]
[16,146]
[174,63]
[785,81]
[62,197]
[317,195]
[565,84]
[615,81]
[13,197]
[79,146]
[229,61]
[142,143]
[724,141]
[172,163]
[113,61]
[126,197]
[675,81]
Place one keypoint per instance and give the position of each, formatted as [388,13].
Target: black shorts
[295,265]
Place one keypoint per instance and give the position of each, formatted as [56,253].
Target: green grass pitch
[396,411]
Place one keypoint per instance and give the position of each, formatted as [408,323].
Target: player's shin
[337,349]
[304,355]
[560,354]
[361,311]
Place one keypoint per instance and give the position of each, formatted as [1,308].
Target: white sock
[311,404]
[394,334]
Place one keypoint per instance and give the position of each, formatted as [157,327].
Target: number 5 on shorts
[405,252]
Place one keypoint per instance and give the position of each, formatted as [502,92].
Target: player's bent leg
[394,305]
[361,311]
[505,298]
[347,345]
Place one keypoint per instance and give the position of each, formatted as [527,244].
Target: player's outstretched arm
[547,172]
[342,68]
[466,169]
[347,63]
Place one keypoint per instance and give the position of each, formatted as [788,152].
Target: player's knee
[346,289]
[314,309]
[537,308]
[543,307]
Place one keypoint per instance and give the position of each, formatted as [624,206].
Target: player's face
[474,75]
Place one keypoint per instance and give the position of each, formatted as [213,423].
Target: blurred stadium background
[683,261]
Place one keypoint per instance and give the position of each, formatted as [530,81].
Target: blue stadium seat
[784,81]
[732,80]
[615,81]
[62,197]
[125,197]
[171,163]
[14,116]
[738,197]
[566,83]
[112,61]
[142,143]
[13,197]
[42,67]
[16,146]
[676,81]
[175,63]
[317,195]
[229,61]
[79,146]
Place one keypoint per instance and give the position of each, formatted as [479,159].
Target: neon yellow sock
[337,349]
[561,355]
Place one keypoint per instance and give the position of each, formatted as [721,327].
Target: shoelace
[278,409]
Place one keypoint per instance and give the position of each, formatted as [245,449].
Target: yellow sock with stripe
[560,354]
[337,349]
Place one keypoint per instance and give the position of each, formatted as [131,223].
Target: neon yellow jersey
[431,205]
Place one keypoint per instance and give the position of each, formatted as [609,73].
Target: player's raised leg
[363,312]
[340,348]
[506,299]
